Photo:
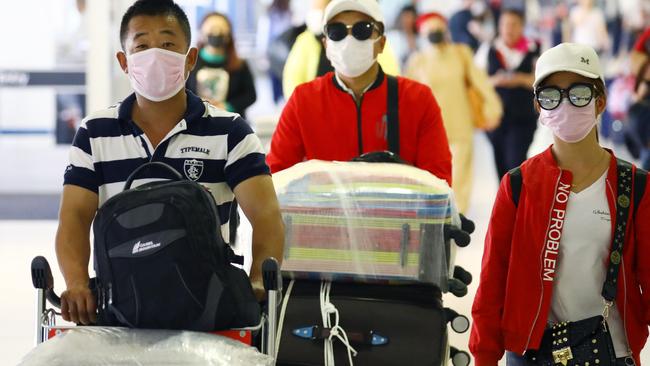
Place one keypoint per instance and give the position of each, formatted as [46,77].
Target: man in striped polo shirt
[163,122]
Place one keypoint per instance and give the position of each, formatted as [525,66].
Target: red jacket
[321,121]
[512,304]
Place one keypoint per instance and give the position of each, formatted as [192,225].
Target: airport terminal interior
[58,65]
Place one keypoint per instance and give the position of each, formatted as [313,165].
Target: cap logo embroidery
[584,60]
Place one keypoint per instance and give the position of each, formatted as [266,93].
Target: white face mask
[351,57]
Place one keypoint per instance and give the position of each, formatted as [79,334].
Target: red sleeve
[486,338]
[642,239]
[432,153]
[287,147]
[641,41]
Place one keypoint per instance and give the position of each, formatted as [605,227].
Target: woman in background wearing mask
[220,76]
[447,68]
[568,243]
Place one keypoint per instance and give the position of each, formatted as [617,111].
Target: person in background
[270,27]
[588,26]
[510,64]
[561,27]
[638,118]
[459,23]
[220,76]
[549,248]
[448,69]
[342,115]
[641,51]
[404,36]
[307,59]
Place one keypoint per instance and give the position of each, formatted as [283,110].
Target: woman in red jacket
[570,241]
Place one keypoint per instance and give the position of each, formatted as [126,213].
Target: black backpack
[162,263]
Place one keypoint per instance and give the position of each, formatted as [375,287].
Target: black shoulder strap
[623,189]
[640,178]
[515,184]
[392,115]
[233,222]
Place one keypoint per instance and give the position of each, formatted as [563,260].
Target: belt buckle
[562,355]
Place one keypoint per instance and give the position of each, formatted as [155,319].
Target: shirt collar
[194,111]
[375,84]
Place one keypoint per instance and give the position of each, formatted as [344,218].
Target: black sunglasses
[360,30]
[579,94]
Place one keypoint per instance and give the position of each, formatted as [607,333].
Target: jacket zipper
[627,341]
[359,125]
[541,297]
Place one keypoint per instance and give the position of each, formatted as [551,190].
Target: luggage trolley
[261,335]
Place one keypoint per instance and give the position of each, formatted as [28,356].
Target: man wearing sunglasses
[307,59]
[344,114]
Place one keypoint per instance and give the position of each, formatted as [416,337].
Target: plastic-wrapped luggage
[99,346]
[367,257]
[365,222]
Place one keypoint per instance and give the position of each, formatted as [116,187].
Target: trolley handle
[42,279]
[271,275]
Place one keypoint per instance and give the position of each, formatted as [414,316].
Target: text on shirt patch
[195,149]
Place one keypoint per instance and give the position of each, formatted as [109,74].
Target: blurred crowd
[477,56]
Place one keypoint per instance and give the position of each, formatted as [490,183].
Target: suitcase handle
[367,338]
[176,175]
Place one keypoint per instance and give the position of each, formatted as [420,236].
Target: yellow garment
[446,69]
[302,62]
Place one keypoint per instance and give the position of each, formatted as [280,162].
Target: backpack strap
[233,222]
[516,181]
[640,178]
[392,115]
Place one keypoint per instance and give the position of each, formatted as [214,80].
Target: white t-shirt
[584,247]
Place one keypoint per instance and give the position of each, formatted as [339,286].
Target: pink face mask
[568,122]
[156,74]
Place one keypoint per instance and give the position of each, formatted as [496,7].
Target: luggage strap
[315,332]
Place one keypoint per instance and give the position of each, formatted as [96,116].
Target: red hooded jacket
[322,121]
[512,302]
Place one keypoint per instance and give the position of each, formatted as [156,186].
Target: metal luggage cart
[261,335]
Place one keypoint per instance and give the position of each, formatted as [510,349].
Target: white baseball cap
[572,57]
[369,7]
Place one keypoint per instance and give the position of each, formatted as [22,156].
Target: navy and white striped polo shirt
[215,148]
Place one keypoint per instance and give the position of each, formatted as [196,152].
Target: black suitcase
[406,323]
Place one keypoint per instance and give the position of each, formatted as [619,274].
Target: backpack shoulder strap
[516,181]
[640,178]
[233,222]
[392,115]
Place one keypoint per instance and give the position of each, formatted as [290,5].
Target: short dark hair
[516,12]
[155,8]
